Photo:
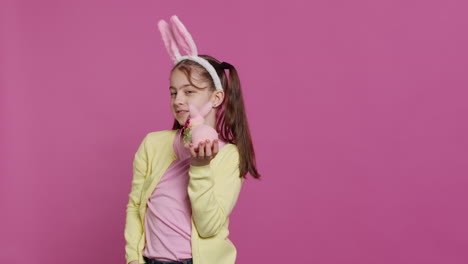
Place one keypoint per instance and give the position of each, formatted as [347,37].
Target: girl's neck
[181,136]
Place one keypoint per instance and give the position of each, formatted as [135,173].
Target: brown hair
[231,120]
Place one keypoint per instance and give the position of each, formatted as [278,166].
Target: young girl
[181,198]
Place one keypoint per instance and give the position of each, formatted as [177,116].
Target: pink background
[358,112]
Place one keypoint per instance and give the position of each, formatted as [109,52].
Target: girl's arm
[133,226]
[213,191]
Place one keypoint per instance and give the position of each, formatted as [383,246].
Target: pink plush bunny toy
[175,36]
[195,129]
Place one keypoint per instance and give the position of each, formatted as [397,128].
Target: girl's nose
[179,99]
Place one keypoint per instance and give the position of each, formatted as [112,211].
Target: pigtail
[233,124]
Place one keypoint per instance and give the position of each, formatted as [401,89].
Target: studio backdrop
[358,113]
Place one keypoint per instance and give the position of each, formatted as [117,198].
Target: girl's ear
[206,108]
[183,37]
[169,40]
[193,111]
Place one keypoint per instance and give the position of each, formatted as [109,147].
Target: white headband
[175,36]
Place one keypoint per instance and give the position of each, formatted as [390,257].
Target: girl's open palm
[204,153]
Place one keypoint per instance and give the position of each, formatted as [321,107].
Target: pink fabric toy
[195,129]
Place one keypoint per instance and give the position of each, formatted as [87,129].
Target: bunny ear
[183,37]
[169,40]
[193,111]
[206,108]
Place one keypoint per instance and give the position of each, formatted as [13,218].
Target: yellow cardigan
[213,191]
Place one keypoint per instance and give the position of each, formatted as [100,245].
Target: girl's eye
[188,92]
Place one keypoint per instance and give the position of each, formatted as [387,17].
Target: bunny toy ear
[193,111]
[169,40]
[183,37]
[206,109]
[202,113]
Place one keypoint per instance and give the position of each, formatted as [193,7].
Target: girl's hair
[231,120]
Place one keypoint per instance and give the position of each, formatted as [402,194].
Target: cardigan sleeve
[133,226]
[214,190]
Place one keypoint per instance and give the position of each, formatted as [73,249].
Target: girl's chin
[182,121]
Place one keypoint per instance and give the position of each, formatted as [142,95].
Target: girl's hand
[204,153]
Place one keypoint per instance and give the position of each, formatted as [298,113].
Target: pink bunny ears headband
[175,36]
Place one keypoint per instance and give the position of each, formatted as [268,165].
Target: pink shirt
[168,217]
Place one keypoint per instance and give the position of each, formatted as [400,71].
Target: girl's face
[183,94]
